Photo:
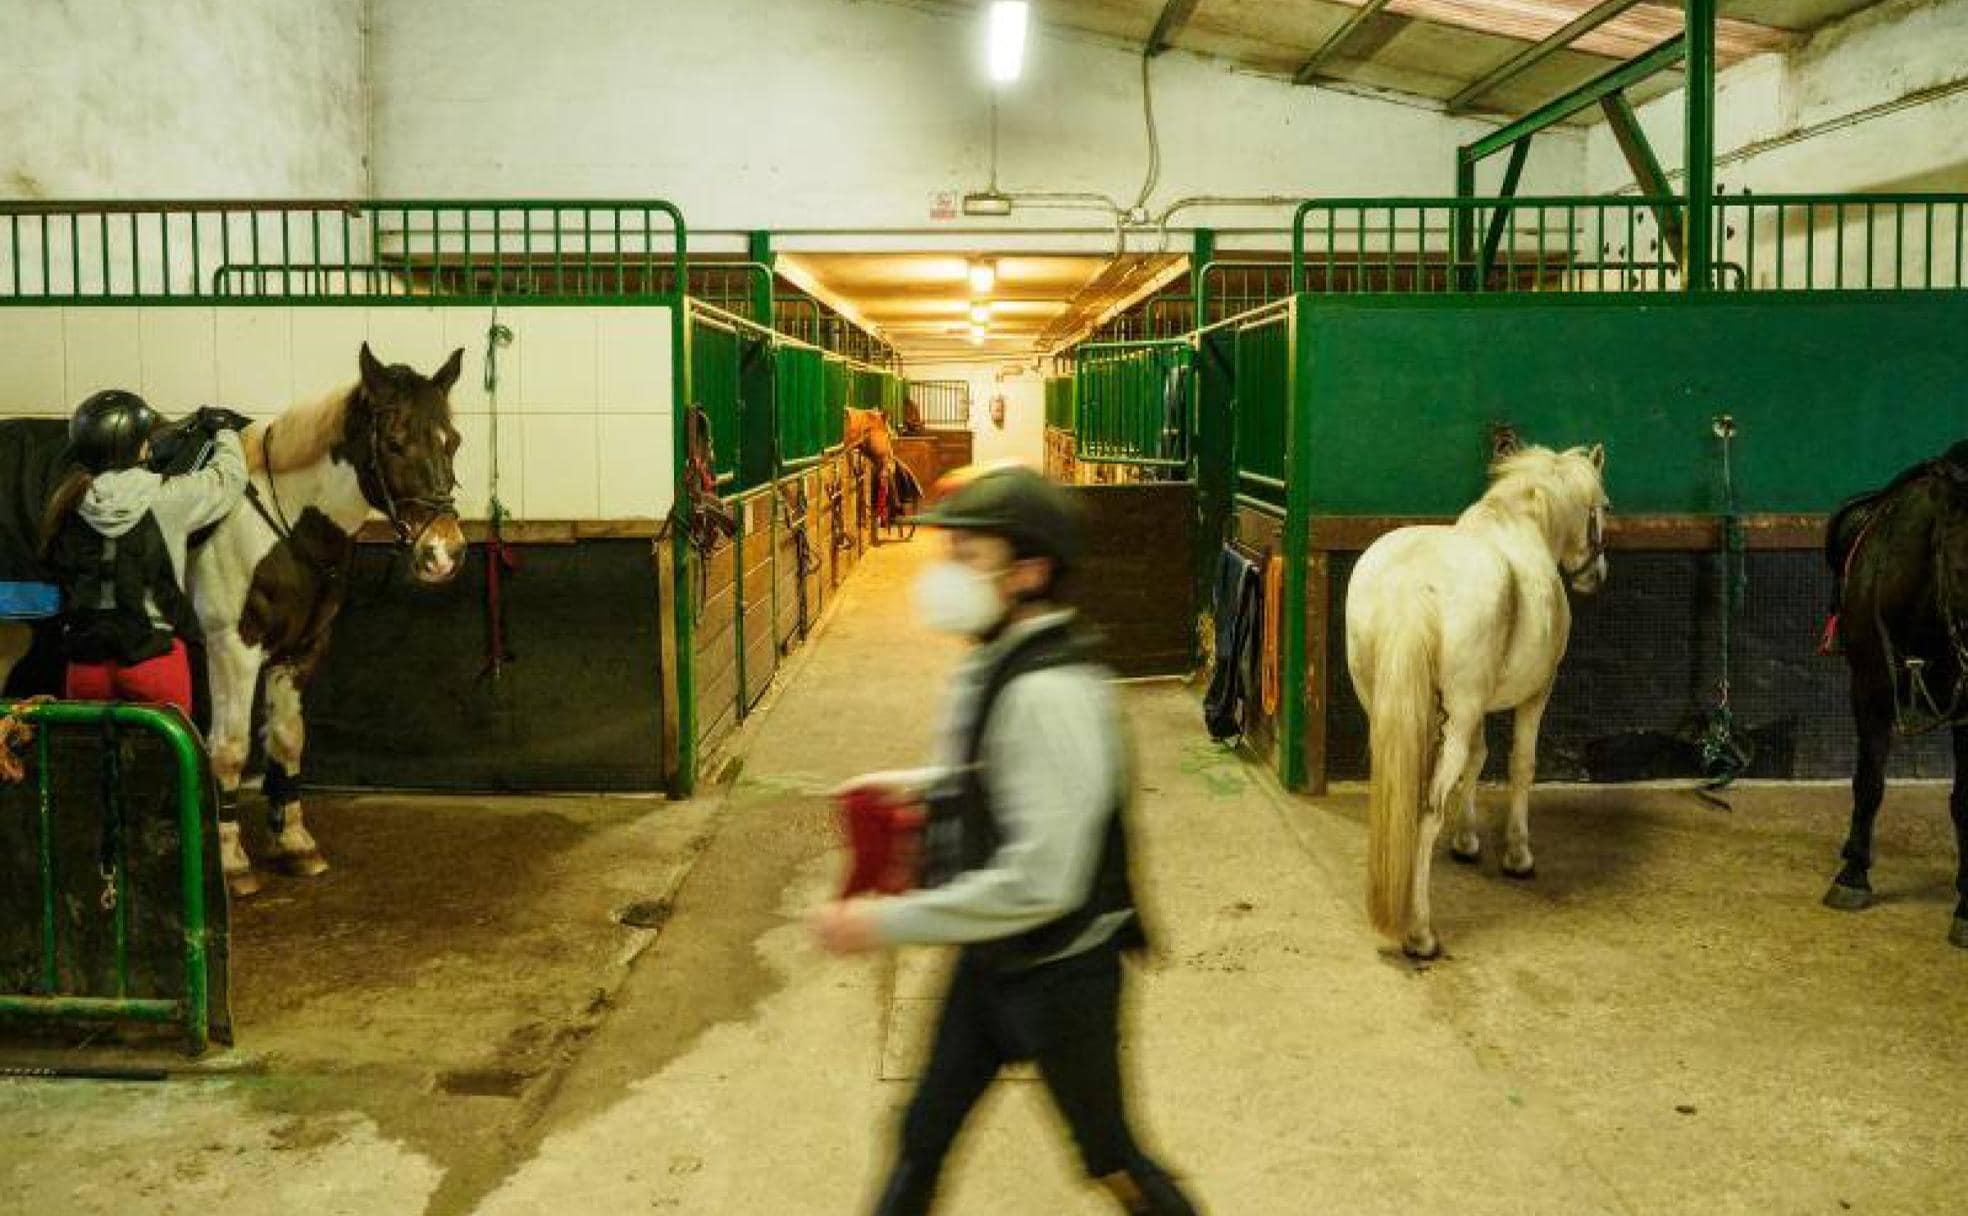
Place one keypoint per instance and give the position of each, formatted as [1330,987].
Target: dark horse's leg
[1958,807]
[1872,710]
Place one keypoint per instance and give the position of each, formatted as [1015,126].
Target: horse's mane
[303,434]
[1554,489]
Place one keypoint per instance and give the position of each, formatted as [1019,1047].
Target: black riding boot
[1156,1193]
[911,1191]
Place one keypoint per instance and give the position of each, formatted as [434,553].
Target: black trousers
[1065,1017]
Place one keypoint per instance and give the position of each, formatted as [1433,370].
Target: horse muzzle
[440,552]
[1589,577]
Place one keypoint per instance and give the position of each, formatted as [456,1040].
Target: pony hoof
[1465,859]
[1524,875]
[1958,935]
[1850,899]
[1425,952]
[310,864]
[242,884]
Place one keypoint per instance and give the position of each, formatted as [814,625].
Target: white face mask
[953,598]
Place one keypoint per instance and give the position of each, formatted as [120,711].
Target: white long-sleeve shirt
[1052,760]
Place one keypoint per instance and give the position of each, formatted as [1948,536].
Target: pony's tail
[1401,730]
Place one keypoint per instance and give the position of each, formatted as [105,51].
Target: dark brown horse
[1901,557]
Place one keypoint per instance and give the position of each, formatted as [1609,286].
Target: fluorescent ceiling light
[983,276]
[977,333]
[980,312]
[986,202]
[1007,39]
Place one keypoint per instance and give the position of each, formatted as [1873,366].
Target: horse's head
[1582,518]
[1566,493]
[400,439]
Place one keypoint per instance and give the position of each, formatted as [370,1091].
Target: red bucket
[884,840]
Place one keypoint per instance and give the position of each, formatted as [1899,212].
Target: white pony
[1445,625]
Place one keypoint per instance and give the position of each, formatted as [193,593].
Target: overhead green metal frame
[1698,232]
[1510,69]
[1309,70]
[1557,110]
[1639,153]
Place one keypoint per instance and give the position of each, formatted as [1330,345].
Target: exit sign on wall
[943,205]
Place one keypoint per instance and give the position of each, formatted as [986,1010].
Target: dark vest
[128,568]
[963,832]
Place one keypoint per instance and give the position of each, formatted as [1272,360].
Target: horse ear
[447,375]
[1597,455]
[372,371]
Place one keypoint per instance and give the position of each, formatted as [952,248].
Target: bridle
[436,506]
[370,473]
[1595,545]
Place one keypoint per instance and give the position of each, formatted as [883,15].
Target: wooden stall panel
[717,648]
[1136,583]
[760,648]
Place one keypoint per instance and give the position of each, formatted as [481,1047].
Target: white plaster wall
[1881,55]
[584,395]
[181,98]
[1022,438]
[838,113]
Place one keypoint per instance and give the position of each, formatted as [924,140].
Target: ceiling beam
[1175,15]
[1557,110]
[1309,70]
[1537,53]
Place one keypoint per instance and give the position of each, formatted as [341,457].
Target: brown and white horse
[269,582]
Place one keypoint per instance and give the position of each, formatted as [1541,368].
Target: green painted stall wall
[1832,393]
[714,385]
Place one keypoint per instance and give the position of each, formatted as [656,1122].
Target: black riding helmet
[109,429]
[1014,502]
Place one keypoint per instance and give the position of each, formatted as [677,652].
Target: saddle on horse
[1849,525]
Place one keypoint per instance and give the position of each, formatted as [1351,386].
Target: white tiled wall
[583,394]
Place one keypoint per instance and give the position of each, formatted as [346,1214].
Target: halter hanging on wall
[1725,755]
[499,560]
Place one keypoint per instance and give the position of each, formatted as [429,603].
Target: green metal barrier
[1262,408]
[1607,243]
[193,796]
[94,251]
[1120,405]
[1059,403]
[802,407]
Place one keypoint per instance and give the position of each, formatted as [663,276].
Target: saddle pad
[29,601]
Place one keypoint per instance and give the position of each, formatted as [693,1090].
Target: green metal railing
[1232,287]
[1121,406]
[1262,408]
[945,404]
[714,388]
[97,251]
[1797,242]
[191,1009]
[1059,403]
[804,434]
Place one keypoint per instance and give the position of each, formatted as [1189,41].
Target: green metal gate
[1131,403]
[137,931]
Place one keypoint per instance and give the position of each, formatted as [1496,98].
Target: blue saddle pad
[28,601]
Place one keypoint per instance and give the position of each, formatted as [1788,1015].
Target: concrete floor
[453,1021]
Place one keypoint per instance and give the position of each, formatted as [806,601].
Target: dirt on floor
[456,1018]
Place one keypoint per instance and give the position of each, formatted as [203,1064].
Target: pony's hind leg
[286,736]
[1958,807]
[235,668]
[15,641]
[1461,739]
[1871,709]
[1467,845]
[1517,859]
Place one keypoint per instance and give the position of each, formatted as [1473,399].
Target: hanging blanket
[1239,610]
